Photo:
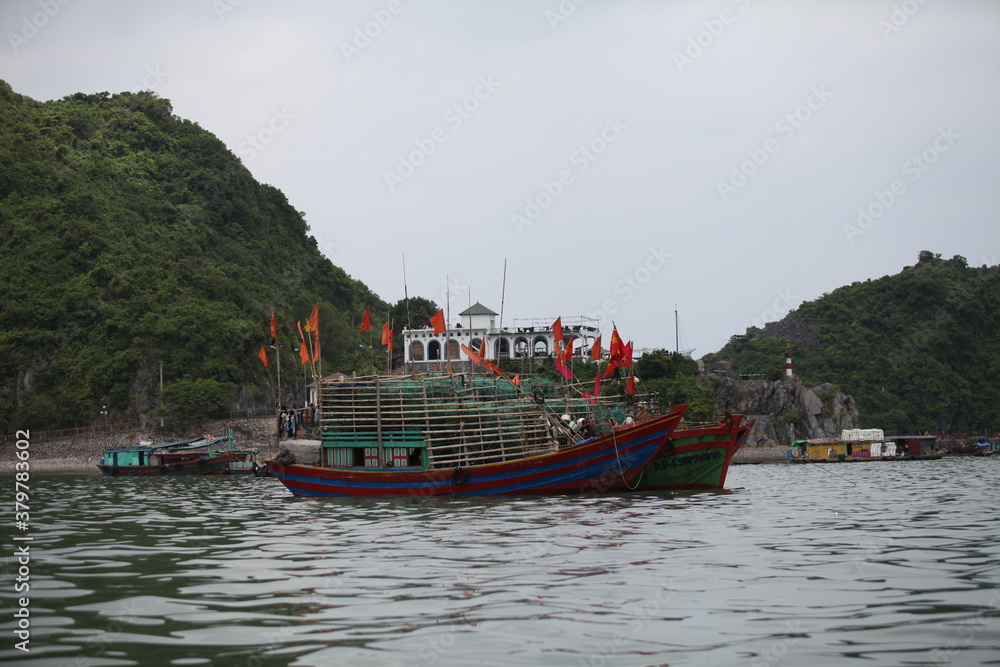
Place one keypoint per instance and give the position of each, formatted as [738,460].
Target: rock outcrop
[786,410]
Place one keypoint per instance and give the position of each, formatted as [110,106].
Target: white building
[423,350]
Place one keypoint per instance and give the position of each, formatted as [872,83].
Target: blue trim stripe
[562,472]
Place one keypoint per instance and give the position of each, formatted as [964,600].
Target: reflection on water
[873,563]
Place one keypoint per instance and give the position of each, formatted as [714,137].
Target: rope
[621,470]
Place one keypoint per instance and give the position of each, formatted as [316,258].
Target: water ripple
[884,564]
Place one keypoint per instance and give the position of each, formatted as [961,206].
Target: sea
[876,563]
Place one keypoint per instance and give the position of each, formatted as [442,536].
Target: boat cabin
[400,449]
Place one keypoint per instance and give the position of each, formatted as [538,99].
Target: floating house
[424,350]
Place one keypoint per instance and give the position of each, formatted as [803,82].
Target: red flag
[568,352]
[612,365]
[386,334]
[476,359]
[302,336]
[313,323]
[482,349]
[557,328]
[597,385]
[517,380]
[563,369]
[492,367]
[274,326]
[262,355]
[595,350]
[366,321]
[630,385]
[617,349]
[437,321]
[590,398]
[627,355]
[304,352]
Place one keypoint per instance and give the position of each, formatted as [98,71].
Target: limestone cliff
[786,410]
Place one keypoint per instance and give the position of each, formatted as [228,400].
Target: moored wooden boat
[602,464]
[695,458]
[196,456]
[475,435]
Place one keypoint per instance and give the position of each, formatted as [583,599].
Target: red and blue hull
[605,464]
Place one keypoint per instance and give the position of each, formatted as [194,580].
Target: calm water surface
[866,564]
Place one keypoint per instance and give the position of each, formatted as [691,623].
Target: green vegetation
[919,351]
[131,236]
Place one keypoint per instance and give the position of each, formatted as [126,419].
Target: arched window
[540,346]
[502,348]
[476,344]
[433,350]
[521,347]
[417,351]
[453,349]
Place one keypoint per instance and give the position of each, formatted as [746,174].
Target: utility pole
[161,391]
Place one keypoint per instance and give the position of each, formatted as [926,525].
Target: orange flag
[262,355]
[437,321]
[304,352]
[517,380]
[274,326]
[482,349]
[302,336]
[595,350]
[557,328]
[476,359]
[493,367]
[313,323]
[630,385]
[366,322]
[386,334]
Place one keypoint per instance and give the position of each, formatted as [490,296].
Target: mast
[677,331]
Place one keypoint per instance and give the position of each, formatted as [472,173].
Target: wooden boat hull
[208,465]
[695,458]
[604,464]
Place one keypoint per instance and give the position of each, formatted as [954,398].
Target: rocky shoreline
[80,453]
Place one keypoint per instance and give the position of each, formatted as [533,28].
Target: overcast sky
[733,157]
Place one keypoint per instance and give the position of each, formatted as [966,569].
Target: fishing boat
[194,456]
[695,458]
[466,434]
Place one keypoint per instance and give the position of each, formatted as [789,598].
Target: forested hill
[131,236]
[919,350]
